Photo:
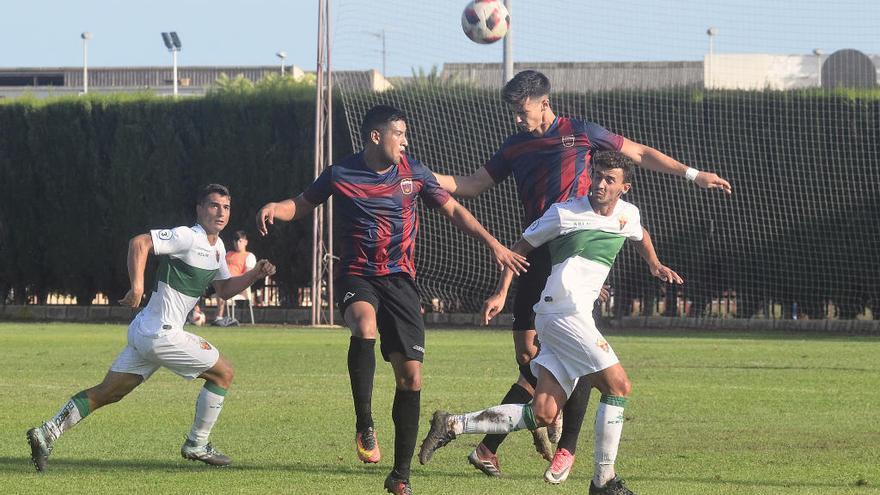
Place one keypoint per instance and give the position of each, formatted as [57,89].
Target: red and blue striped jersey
[554,167]
[377,215]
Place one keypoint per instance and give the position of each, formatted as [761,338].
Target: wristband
[691,174]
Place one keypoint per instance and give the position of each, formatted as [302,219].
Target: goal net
[780,98]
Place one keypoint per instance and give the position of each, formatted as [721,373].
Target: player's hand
[264,269]
[666,274]
[709,180]
[506,258]
[266,216]
[604,293]
[491,307]
[132,298]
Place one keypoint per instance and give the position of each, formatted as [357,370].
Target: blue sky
[421,34]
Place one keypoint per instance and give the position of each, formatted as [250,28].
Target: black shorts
[395,299]
[529,287]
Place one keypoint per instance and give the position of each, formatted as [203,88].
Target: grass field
[713,413]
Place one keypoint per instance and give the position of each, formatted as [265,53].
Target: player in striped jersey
[375,194]
[584,236]
[549,159]
[190,259]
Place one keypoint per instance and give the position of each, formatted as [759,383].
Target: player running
[190,258]
[376,191]
[583,236]
[550,160]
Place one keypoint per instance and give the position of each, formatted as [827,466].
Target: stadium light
[818,52]
[711,33]
[86,36]
[172,43]
[283,56]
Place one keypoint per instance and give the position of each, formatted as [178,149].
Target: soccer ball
[485,21]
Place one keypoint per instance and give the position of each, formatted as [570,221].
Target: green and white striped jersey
[188,263]
[583,245]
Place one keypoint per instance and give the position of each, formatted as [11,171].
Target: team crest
[603,344]
[568,141]
[622,220]
[204,344]
[406,186]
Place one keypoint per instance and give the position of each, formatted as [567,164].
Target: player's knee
[409,383]
[226,375]
[545,413]
[525,356]
[620,387]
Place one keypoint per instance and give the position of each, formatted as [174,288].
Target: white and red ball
[485,21]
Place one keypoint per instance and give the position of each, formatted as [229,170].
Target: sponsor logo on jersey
[418,348]
[165,234]
[406,186]
[217,253]
[568,141]
[603,344]
[348,295]
[622,220]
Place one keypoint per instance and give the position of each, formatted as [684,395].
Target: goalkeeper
[550,160]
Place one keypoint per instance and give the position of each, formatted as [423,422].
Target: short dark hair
[239,234]
[379,116]
[607,160]
[526,84]
[210,189]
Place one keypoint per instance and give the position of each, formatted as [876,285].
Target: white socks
[609,425]
[499,419]
[72,413]
[208,407]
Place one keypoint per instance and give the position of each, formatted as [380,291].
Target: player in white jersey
[584,236]
[190,259]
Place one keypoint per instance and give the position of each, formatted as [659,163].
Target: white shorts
[185,354]
[571,347]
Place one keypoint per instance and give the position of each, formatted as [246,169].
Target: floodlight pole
[86,36]
[711,32]
[322,251]
[507,73]
[283,56]
[174,63]
[818,52]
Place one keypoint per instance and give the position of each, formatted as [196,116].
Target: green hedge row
[80,176]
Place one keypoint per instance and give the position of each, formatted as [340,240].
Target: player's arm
[466,186]
[645,248]
[229,287]
[495,303]
[287,210]
[462,218]
[652,159]
[139,248]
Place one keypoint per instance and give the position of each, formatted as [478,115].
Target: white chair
[245,295]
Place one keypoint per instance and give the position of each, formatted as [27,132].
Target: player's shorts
[395,299]
[571,347]
[185,354]
[529,286]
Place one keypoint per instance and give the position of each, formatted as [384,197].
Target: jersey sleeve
[498,167]
[546,228]
[633,230]
[321,189]
[172,241]
[250,262]
[601,138]
[431,193]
